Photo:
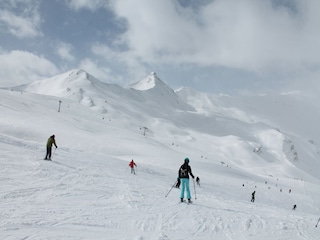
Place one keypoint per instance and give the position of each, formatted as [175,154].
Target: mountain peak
[65,84]
[157,90]
[76,74]
[151,81]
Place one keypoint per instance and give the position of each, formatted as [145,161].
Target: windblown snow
[236,145]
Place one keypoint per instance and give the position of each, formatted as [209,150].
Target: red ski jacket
[132,164]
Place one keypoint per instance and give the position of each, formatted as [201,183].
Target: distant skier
[178,183]
[253,196]
[294,207]
[132,164]
[51,141]
[198,181]
[184,172]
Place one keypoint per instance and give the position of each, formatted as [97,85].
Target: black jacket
[185,168]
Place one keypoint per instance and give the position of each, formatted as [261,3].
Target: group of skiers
[253,199]
[52,141]
[183,173]
[183,178]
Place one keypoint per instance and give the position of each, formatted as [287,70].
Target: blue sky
[218,46]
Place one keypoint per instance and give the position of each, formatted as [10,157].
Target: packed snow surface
[267,144]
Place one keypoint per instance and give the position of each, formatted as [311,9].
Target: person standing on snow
[198,181]
[184,172]
[51,140]
[253,196]
[132,164]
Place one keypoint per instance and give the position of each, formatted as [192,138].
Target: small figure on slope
[51,140]
[132,164]
[184,172]
[294,207]
[253,196]
[198,181]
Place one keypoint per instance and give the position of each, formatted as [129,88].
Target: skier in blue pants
[184,172]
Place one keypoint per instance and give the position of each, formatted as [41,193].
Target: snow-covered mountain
[266,143]
[156,90]
[83,87]
[150,82]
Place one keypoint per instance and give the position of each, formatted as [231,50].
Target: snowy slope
[290,116]
[87,191]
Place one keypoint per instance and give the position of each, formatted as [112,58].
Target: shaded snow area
[235,145]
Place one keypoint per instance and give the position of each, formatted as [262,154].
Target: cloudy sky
[219,46]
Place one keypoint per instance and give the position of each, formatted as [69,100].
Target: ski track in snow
[51,206]
[69,195]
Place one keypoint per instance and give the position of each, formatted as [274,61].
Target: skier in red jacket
[132,164]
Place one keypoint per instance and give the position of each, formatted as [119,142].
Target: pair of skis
[187,202]
[318,222]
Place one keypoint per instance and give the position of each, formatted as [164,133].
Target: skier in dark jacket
[184,172]
[253,196]
[198,181]
[50,142]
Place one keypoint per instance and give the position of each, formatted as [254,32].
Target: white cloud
[24,24]
[20,67]
[63,51]
[87,4]
[256,36]
[99,72]
[125,60]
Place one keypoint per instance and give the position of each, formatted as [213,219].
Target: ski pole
[53,153]
[318,222]
[171,188]
[195,193]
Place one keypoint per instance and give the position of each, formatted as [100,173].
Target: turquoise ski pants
[185,186]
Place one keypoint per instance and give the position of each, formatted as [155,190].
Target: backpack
[183,172]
